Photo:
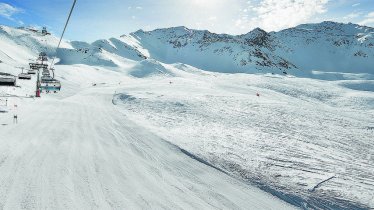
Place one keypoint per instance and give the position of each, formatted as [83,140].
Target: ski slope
[129,132]
[304,139]
[75,150]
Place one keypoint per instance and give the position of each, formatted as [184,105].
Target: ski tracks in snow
[79,152]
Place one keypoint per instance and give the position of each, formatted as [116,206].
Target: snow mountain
[327,46]
[76,150]
[177,110]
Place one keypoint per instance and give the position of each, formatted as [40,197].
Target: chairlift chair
[45,32]
[37,66]
[46,73]
[46,78]
[31,71]
[50,85]
[43,56]
[24,76]
[7,79]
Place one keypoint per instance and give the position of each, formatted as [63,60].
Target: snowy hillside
[30,43]
[328,46]
[157,120]
[304,48]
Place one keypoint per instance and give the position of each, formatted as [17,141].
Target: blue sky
[95,19]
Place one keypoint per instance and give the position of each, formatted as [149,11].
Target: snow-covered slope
[304,140]
[215,52]
[326,47]
[19,45]
[76,151]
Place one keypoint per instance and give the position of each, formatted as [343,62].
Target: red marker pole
[37,86]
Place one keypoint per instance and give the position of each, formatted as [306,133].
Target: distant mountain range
[326,46]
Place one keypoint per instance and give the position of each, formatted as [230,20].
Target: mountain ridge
[326,46]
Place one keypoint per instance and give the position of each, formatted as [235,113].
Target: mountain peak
[332,26]
[258,30]
[257,36]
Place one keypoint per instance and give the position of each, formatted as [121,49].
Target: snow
[297,134]
[139,124]
[325,47]
[75,150]
[148,68]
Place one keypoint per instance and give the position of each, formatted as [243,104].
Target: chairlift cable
[62,35]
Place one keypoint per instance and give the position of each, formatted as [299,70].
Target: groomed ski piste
[133,133]
[77,151]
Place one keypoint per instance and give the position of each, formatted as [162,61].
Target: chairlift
[31,71]
[37,66]
[45,72]
[7,79]
[24,76]
[46,78]
[47,82]
[43,56]
[50,85]
[45,32]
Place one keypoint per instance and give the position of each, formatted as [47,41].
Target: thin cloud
[8,11]
[273,15]
[353,15]
[135,8]
[370,15]
[369,19]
